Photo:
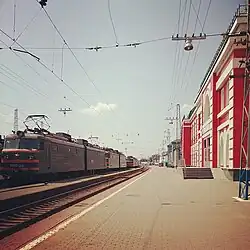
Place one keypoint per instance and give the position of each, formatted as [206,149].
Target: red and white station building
[211,134]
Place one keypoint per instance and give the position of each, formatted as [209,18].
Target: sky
[114,93]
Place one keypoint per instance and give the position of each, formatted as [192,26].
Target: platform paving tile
[162,211]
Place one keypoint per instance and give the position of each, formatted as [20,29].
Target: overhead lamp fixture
[188,45]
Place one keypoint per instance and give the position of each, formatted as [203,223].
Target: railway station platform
[157,210]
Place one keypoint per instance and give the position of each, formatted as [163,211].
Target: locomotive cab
[21,153]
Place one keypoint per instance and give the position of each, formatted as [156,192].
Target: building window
[226,93]
[199,122]
[227,150]
[206,109]
[222,99]
[221,151]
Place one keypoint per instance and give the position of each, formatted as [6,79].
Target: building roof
[191,112]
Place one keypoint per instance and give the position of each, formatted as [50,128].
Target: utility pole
[245,135]
[93,137]
[15,120]
[168,137]
[65,110]
[177,120]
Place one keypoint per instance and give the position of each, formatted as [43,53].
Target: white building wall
[227,127]
[206,126]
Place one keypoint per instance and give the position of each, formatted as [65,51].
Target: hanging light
[188,45]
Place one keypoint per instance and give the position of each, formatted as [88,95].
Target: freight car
[37,152]
[132,162]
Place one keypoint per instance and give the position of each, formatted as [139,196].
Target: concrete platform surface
[161,211]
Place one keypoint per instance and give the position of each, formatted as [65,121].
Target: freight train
[38,152]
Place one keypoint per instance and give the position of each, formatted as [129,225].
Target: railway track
[15,219]
[20,182]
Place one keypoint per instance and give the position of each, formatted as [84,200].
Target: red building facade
[213,126]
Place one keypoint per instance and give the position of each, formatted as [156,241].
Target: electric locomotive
[39,152]
[132,162]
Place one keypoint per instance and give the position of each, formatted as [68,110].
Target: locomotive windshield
[22,143]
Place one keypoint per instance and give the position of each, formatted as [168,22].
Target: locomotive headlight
[31,157]
[6,157]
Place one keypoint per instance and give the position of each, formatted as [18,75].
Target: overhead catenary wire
[7,85]
[176,46]
[197,15]
[79,63]
[27,85]
[14,18]
[112,22]
[185,68]
[26,27]
[46,67]
[62,60]
[22,83]
[114,46]
[63,83]
[189,54]
[97,48]
[198,45]
[182,52]
[36,91]
[53,52]
[178,62]
[20,110]
[131,44]
[26,64]
[61,75]
[13,107]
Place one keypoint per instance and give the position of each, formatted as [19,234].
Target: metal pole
[245,135]
[247,80]
[15,120]
[247,94]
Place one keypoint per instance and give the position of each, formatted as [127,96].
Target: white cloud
[187,106]
[99,107]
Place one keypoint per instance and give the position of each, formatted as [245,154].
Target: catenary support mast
[245,135]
